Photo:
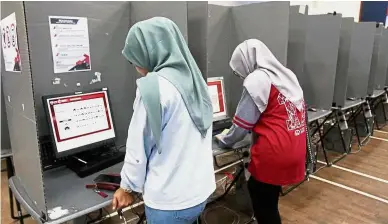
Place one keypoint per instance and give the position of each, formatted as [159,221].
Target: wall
[346,8]
[374,11]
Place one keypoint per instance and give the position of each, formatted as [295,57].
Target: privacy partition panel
[321,52]
[360,59]
[22,122]
[383,61]
[266,21]
[221,41]
[5,140]
[197,13]
[176,11]
[386,80]
[224,27]
[341,76]
[296,43]
[379,62]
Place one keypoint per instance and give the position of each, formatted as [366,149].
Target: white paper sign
[9,38]
[386,21]
[213,92]
[70,44]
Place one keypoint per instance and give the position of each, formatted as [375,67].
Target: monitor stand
[89,162]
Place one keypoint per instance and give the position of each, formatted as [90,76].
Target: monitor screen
[217,96]
[79,120]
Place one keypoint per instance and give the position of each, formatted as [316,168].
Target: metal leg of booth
[323,150]
[337,123]
[142,218]
[342,141]
[10,172]
[288,190]
[353,116]
[374,106]
[369,131]
[234,181]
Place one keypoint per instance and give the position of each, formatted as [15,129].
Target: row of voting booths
[341,65]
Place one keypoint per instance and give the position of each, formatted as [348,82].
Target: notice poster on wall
[9,39]
[70,44]
[217,96]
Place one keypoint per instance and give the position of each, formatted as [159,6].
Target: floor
[355,190]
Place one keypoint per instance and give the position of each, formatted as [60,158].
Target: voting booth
[43,85]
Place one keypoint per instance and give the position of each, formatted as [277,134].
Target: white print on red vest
[293,123]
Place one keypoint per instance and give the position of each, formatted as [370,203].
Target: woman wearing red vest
[272,108]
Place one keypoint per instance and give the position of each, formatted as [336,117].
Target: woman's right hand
[121,199]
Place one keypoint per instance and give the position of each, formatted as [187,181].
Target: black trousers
[265,199]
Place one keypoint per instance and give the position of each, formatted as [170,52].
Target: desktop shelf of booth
[350,104]
[377,93]
[315,115]
[63,188]
[239,145]
[6,153]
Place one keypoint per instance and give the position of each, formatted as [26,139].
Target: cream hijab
[252,55]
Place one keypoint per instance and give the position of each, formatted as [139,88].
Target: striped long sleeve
[247,115]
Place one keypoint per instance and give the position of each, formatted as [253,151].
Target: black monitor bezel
[85,147]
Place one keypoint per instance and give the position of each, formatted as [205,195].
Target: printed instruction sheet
[70,44]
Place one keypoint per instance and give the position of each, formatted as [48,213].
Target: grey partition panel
[341,77]
[221,42]
[378,64]
[5,140]
[108,24]
[197,13]
[20,109]
[386,80]
[296,43]
[321,52]
[360,59]
[266,21]
[176,11]
[383,61]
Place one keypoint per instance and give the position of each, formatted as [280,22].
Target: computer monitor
[79,121]
[217,96]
